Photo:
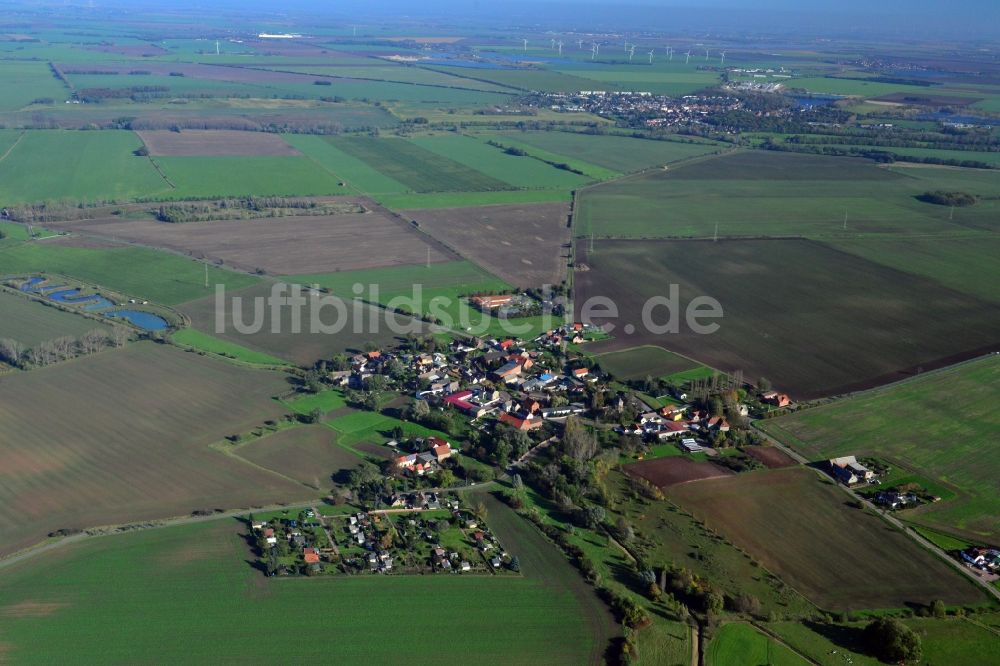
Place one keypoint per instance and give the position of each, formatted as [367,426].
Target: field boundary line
[13,145]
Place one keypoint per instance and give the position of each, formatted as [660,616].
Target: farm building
[849,471]
[492,302]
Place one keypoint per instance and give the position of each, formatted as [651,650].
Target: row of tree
[62,348]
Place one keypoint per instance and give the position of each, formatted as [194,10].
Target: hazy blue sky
[895,18]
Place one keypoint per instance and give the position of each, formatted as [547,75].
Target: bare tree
[120,335]
[94,341]
[11,351]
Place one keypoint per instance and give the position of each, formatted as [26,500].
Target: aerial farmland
[379,334]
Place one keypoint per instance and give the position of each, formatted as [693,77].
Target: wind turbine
[579,44]
[631,52]
[560,45]
[723,59]
[216,47]
[525,45]
[651,57]
[552,43]
[706,54]
[670,52]
[687,57]
[595,49]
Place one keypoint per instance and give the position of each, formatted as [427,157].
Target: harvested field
[309,455]
[123,436]
[675,470]
[214,142]
[772,457]
[803,530]
[305,347]
[281,245]
[812,319]
[522,244]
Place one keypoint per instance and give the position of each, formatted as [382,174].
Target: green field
[419,169]
[54,165]
[347,167]
[26,82]
[147,274]
[802,529]
[783,194]
[325,401]
[642,362]
[520,172]
[662,78]
[942,425]
[441,287]
[739,644]
[944,641]
[970,265]
[30,322]
[49,610]
[364,427]
[467,199]
[621,154]
[216,177]
[204,342]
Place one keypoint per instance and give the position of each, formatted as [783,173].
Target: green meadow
[348,168]
[419,169]
[207,177]
[615,153]
[121,599]
[752,194]
[77,166]
[441,288]
[645,361]
[160,277]
[740,644]
[25,82]
[467,199]
[517,171]
[200,341]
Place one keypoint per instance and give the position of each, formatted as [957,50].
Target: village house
[776,399]
[518,423]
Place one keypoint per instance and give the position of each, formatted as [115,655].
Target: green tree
[892,641]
